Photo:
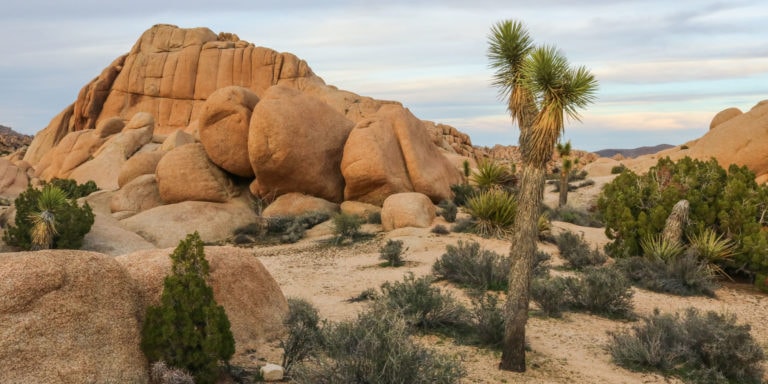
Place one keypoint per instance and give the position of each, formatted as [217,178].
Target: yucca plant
[713,248]
[490,174]
[659,248]
[43,219]
[494,211]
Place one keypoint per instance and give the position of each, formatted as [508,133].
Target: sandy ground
[567,350]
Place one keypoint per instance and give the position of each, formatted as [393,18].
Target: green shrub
[440,229]
[469,265]
[604,291]
[715,249]
[448,210]
[303,336]
[423,305]
[464,225]
[488,319]
[700,348]
[392,252]
[188,330]
[70,222]
[493,211]
[685,275]
[346,227]
[656,247]
[462,193]
[541,264]
[377,348]
[575,250]
[551,295]
[374,217]
[491,174]
[730,203]
[73,190]
[576,216]
[617,169]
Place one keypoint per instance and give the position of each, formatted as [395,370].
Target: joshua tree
[566,164]
[540,87]
[43,219]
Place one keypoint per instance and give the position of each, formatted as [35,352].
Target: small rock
[272,372]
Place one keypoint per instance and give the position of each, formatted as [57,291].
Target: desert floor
[567,350]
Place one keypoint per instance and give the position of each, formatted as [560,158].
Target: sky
[665,68]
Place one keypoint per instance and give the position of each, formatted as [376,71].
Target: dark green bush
[685,275]
[575,250]
[603,291]
[346,226]
[304,336]
[448,210]
[73,189]
[440,230]
[188,330]
[700,348]
[731,203]
[374,217]
[465,225]
[72,222]
[541,264]
[392,253]
[551,295]
[618,169]
[462,193]
[488,319]
[469,265]
[377,348]
[576,216]
[423,305]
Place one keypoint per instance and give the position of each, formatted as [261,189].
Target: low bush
[617,169]
[161,373]
[602,291]
[392,253]
[685,275]
[465,225]
[488,320]
[73,189]
[469,265]
[699,348]
[346,227]
[579,217]
[423,305]
[575,250]
[377,348]
[462,193]
[550,295]
[440,229]
[656,247]
[493,211]
[448,210]
[374,217]
[541,264]
[303,336]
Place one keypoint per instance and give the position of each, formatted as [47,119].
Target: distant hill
[11,140]
[635,152]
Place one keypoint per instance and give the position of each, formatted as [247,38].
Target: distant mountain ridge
[11,140]
[633,152]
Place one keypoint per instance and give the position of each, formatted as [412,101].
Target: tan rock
[253,301]
[392,153]
[186,174]
[142,163]
[293,139]
[139,195]
[724,116]
[166,225]
[223,128]
[359,208]
[411,209]
[109,237]
[176,139]
[109,127]
[13,179]
[296,204]
[68,317]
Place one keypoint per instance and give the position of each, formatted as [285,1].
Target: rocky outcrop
[14,177]
[68,317]
[407,210]
[392,153]
[139,195]
[11,141]
[253,301]
[297,204]
[223,128]
[143,163]
[190,164]
[295,144]
[723,116]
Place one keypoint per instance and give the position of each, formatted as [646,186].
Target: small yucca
[494,209]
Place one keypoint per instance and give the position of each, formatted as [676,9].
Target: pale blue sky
[665,67]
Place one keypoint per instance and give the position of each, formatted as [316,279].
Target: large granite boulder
[68,317]
[392,153]
[295,144]
[297,204]
[409,209]
[186,174]
[253,301]
[223,128]
[139,195]
[142,163]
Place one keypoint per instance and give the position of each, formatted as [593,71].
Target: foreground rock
[407,210]
[68,317]
[297,204]
[252,299]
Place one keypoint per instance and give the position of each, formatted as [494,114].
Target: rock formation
[411,209]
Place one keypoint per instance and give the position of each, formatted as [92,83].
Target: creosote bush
[440,229]
[469,265]
[488,319]
[188,330]
[304,336]
[424,306]
[576,251]
[346,226]
[392,253]
[604,291]
[448,210]
[685,275]
[699,348]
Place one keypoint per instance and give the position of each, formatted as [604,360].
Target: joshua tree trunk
[563,188]
[675,225]
[525,233]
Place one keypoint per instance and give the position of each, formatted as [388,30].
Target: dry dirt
[567,350]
